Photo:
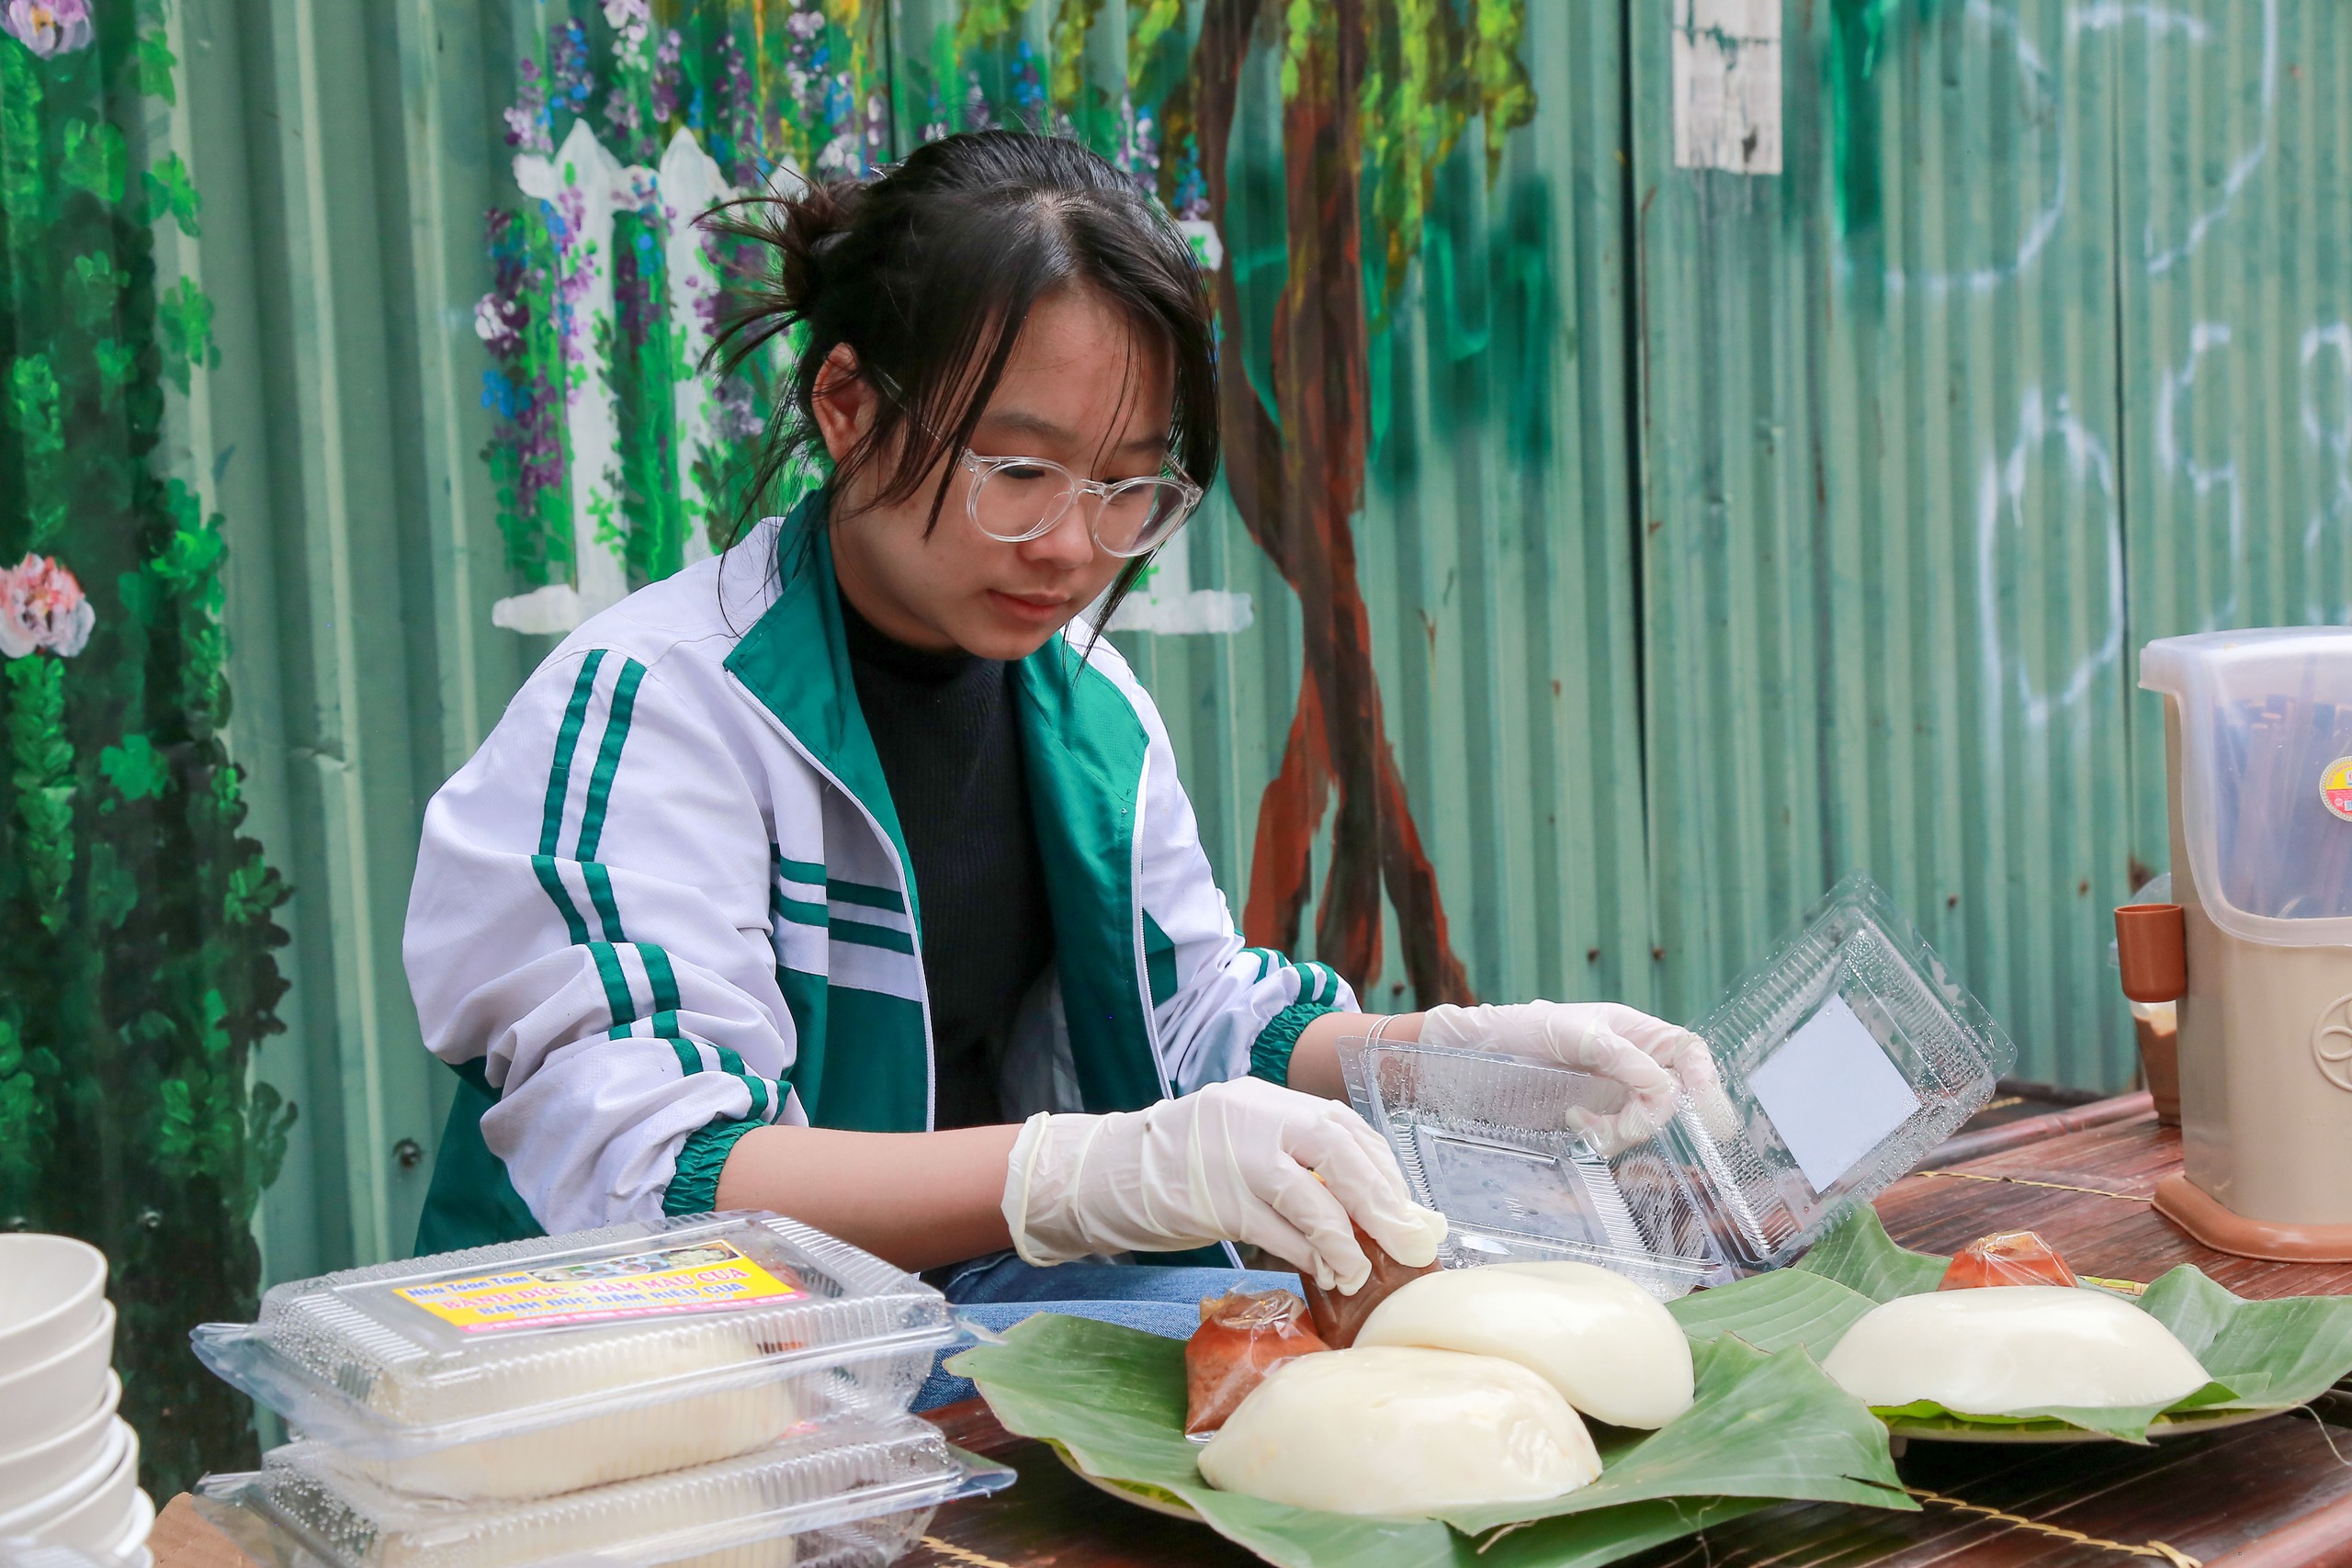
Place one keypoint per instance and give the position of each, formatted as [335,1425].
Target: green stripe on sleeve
[799,911]
[575,714]
[807,870]
[663,979]
[863,894]
[864,935]
[600,893]
[608,969]
[608,758]
[665,1027]
[733,1062]
[543,867]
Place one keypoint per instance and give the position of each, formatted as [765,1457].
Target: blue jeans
[999,1291]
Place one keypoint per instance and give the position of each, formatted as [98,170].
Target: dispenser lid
[2266,776]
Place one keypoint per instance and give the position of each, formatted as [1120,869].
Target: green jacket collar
[1085,748]
[796,661]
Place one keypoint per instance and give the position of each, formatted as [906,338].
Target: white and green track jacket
[668,902]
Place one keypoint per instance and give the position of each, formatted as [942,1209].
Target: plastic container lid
[542,1366]
[1845,1055]
[853,1498]
[2265,777]
[1482,1139]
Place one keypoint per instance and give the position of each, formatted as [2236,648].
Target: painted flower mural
[49,27]
[615,461]
[41,606]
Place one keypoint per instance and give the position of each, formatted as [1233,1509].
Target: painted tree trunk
[1298,488]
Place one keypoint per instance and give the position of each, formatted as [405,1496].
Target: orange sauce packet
[1242,1337]
[2012,1257]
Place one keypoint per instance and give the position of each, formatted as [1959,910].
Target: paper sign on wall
[1728,86]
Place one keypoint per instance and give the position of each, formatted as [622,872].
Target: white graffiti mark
[2332,443]
[2042,107]
[2001,491]
[2156,19]
[2160,20]
[1167,602]
[2174,458]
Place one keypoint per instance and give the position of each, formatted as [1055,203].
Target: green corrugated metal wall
[1882,512]
[2233,258]
[1722,531]
[346,153]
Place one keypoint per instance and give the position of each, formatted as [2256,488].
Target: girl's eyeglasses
[1017,499]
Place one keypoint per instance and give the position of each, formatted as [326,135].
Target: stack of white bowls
[69,1465]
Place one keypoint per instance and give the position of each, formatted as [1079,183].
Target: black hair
[928,272]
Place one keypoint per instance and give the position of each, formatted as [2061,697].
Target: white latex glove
[1653,1061]
[1238,1161]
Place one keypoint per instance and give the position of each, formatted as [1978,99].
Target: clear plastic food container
[1484,1140]
[852,1497]
[1845,1055]
[541,1367]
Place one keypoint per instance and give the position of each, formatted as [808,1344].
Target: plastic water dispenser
[2259,748]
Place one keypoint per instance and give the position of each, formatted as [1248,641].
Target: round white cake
[2007,1349]
[1610,1348]
[1401,1432]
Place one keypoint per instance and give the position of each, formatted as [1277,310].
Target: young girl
[840,876]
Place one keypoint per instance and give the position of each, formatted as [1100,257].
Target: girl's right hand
[1241,1161]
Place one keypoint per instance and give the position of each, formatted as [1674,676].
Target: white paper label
[1727,65]
[1832,1093]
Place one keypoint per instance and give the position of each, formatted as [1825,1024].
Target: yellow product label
[708,1275]
[2336,787]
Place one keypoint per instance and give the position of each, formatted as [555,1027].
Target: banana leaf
[2261,1355]
[1765,1428]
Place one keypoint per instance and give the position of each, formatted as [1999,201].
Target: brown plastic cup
[2152,947]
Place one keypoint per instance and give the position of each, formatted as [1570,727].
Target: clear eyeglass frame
[1159,526]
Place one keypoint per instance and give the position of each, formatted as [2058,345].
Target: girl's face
[1078,389]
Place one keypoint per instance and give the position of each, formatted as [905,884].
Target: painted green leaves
[1765,1426]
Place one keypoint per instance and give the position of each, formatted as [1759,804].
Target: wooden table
[2264,1496]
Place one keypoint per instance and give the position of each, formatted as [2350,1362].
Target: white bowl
[28,1473]
[35,1516]
[89,1511]
[130,1547]
[50,1290]
[45,1398]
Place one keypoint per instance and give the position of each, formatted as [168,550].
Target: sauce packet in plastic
[1242,1337]
[2011,1257]
[1338,1318]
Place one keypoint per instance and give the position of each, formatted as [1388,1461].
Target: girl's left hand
[1653,1061]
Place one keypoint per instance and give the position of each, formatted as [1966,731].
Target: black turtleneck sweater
[950,744]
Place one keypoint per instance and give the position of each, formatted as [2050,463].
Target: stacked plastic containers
[1844,1056]
[69,1464]
[729,1390]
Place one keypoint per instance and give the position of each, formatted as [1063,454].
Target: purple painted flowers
[42,605]
[49,27]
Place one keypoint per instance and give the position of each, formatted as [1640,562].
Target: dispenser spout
[2152,947]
